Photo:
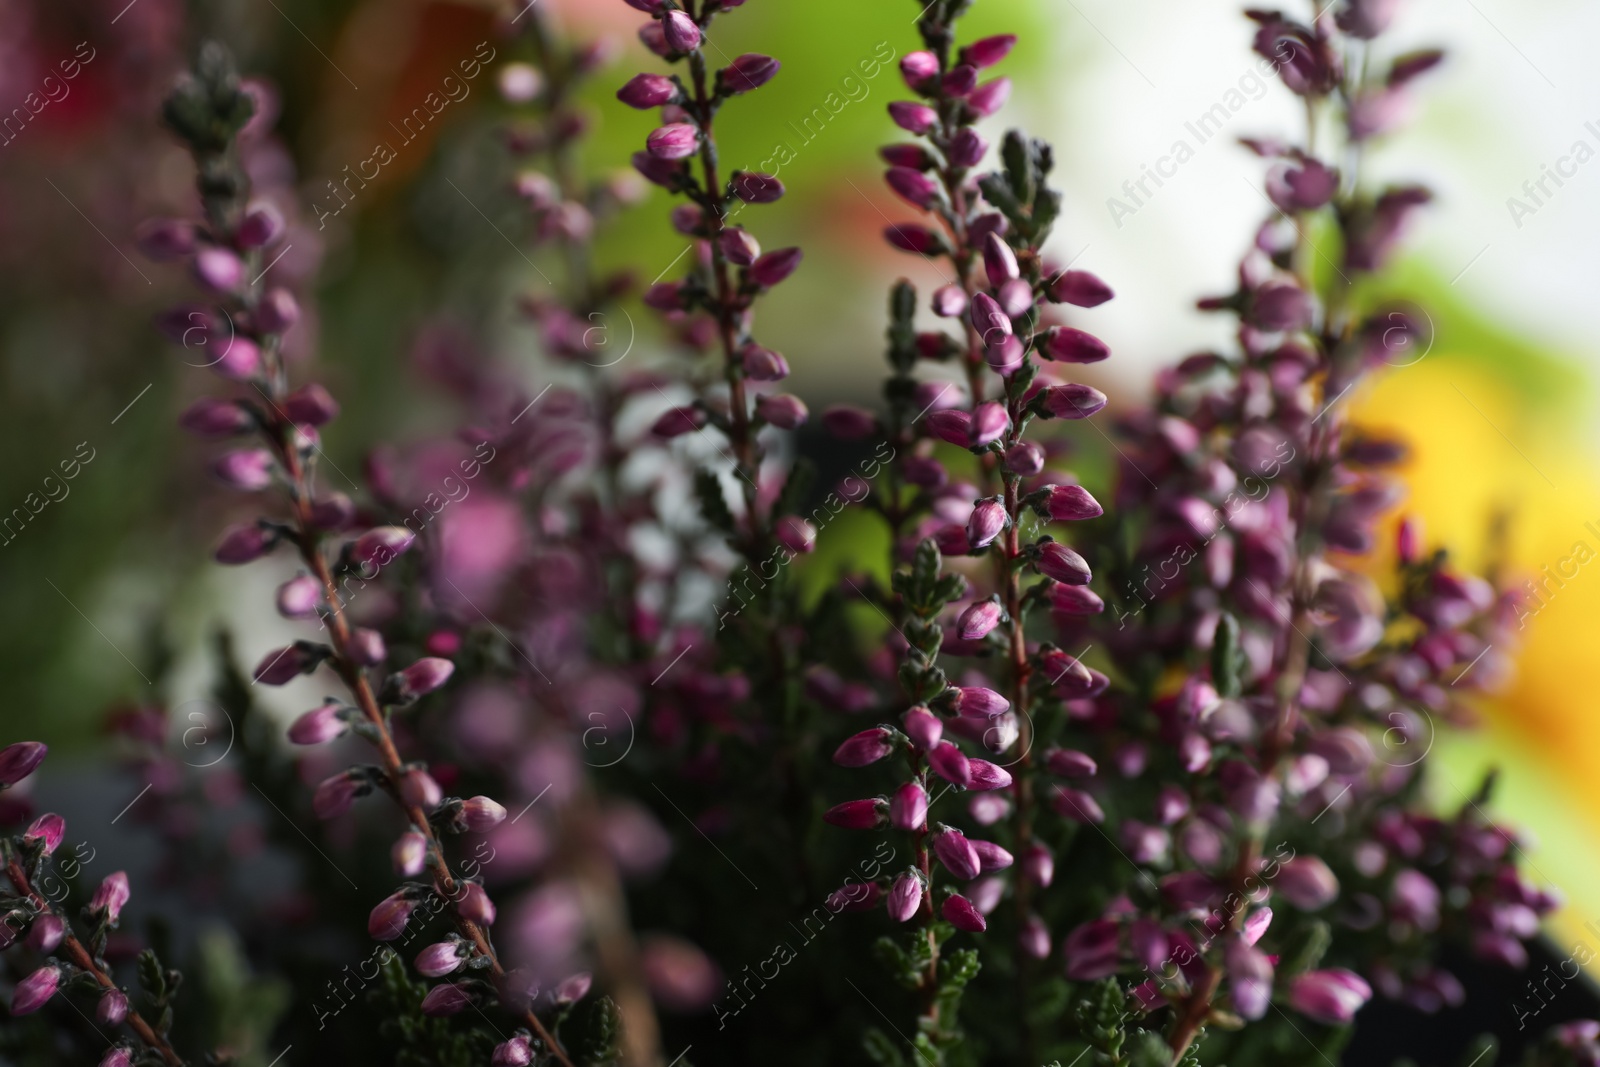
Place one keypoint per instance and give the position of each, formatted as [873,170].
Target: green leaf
[1309,951]
[1227,659]
[881,1049]
[713,504]
[599,1026]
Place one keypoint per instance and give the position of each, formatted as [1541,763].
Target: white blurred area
[1519,83]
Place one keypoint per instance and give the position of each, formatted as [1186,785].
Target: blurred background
[109,594]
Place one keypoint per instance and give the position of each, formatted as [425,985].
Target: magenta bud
[987,776]
[367,647]
[47,830]
[856,814]
[277,311]
[988,51]
[678,140]
[284,665]
[165,240]
[1078,806]
[750,71]
[574,988]
[978,620]
[999,261]
[991,857]
[905,896]
[797,535]
[908,155]
[951,425]
[764,365]
[1075,600]
[1015,297]
[990,97]
[909,237]
[447,999]
[299,597]
[438,960]
[19,760]
[246,469]
[219,269]
[1408,540]
[35,990]
[679,421]
[1038,865]
[987,520]
[381,545]
[1055,560]
[967,148]
[1070,503]
[1307,883]
[913,186]
[908,808]
[1066,344]
[1332,996]
[866,747]
[518,1052]
[1079,288]
[335,795]
[739,247]
[1072,401]
[112,896]
[335,511]
[423,676]
[1070,763]
[980,703]
[913,117]
[989,319]
[782,410]
[112,1007]
[482,814]
[774,267]
[261,226]
[923,727]
[645,91]
[310,405]
[957,853]
[849,423]
[474,904]
[210,417]
[419,790]
[319,725]
[680,31]
[959,912]
[950,763]
[1024,459]
[755,188]
[961,80]
[409,854]
[46,933]
[989,423]
[949,301]
[1256,925]
[918,67]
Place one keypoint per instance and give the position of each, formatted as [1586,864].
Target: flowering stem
[86,962]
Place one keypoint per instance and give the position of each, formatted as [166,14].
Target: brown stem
[86,962]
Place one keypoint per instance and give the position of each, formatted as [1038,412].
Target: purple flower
[999,261]
[857,814]
[795,534]
[33,991]
[755,188]
[908,808]
[912,117]
[914,187]
[473,904]
[850,423]
[117,1056]
[949,301]
[1331,996]
[988,51]
[1079,288]
[381,545]
[1067,344]
[917,239]
[423,676]
[1308,883]
[985,776]
[959,912]
[987,520]
[388,920]
[923,727]
[978,702]
[978,620]
[409,854]
[1055,560]
[336,794]
[1070,503]
[956,853]
[989,319]
[46,934]
[1092,950]
[679,421]
[447,999]
[950,425]
[438,960]
[480,814]
[645,91]
[905,896]
[299,597]
[1072,401]
[868,746]
[990,421]
[991,857]
[740,248]
[990,97]
[1414,898]
[774,267]
[517,1052]
[47,830]
[111,897]
[1075,600]
[284,665]
[211,417]
[112,1007]
[674,141]
[573,988]
[680,31]
[1069,763]
[748,72]
[1078,806]
[1250,976]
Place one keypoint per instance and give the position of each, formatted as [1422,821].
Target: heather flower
[112,1007]
[446,999]
[868,746]
[480,814]
[905,896]
[908,809]
[1079,288]
[19,760]
[681,31]
[796,534]
[1307,883]
[210,417]
[978,620]
[440,959]
[674,141]
[35,990]
[337,794]
[1055,560]
[1069,763]
[748,72]
[956,853]
[388,919]
[923,727]
[772,268]
[1070,503]
[1067,344]
[1091,950]
[300,597]
[983,776]
[1330,996]
[422,677]
[849,423]
[409,854]
[111,897]
[573,988]
[959,912]
[419,790]
[117,1056]
[646,91]
[987,521]
[46,933]
[516,1052]
[46,833]
[1072,401]
[857,814]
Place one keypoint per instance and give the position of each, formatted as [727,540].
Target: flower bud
[448,999]
[482,814]
[978,620]
[19,760]
[286,664]
[474,904]
[679,421]
[117,1056]
[47,830]
[300,597]
[991,857]
[950,763]
[961,80]
[1256,925]
[987,520]
[967,148]
[680,31]
[1079,288]
[749,72]
[905,896]
[219,269]
[1331,996]
[739,247]
[261,226]
[912,117]
[319,725]
[755,188]
[1066,344]
[1024,459]
[908,808]
[923,727]
[46,933]
[987,776]
[977,702]
[409,854]
[866,747]
[1307,883]
[1038,865]
[210,417]
[246,469]
[782,410]
[989,319]
[990,97]
[112,1007]
[277,311]
[310,405]
[999,261]
[1069,503]
[335,795]
[1075,600]
[959,912]
[440,959]
[367,647]
[518,1052]
[917,239]
[1072,401]
[423,676]
[419,790]
[949,301]
[1078,806]
[951,425]
[646,91]
[849,423]
[918,67]
[112,896]
[677,140]
[764,365]
[989,423]
[1055,560]
[1070,763]
[33,991]
[795,534]
[381,545]
[956,853]
[166,240]
[774,267]
[913,186]
[856,814]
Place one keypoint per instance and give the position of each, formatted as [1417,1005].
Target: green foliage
[598,1042]
[418,1040]
[240,1010]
